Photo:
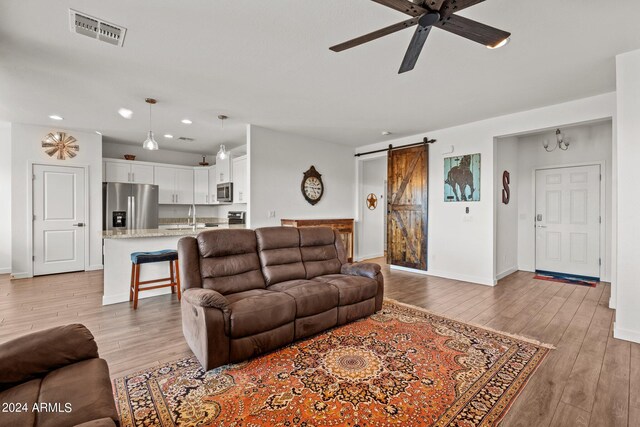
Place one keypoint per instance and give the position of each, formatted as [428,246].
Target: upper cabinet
[240,180]
[223,170]
[175,185]
[133,173]
[201,186]
[183,185]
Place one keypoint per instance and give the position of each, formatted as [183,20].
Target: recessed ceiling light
[126,113]
[500,44]
[99,133]
[168,136]
[186,121]
[55,117]
[386,133]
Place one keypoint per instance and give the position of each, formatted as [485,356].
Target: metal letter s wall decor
[506,192]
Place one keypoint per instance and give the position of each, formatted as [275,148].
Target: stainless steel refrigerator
[129,206]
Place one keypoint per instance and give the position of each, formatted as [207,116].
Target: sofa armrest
[365,269]
[36,354]
[189,261]
[207,298]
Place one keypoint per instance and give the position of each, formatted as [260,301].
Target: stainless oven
[225,192]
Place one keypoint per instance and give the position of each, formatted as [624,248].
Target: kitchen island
[117,249]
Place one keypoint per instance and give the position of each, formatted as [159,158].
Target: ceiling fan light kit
[427,14]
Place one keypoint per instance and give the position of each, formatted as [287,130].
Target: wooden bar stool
[139,258]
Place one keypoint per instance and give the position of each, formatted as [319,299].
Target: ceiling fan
[427,14]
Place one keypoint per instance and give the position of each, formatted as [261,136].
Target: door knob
[80,224]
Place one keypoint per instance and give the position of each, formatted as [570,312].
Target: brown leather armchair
[247,292]
[55,378]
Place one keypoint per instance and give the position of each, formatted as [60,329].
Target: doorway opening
[557,216]
[372,202]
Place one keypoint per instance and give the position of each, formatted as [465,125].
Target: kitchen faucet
[192,215]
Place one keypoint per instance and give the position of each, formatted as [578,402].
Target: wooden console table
[344,227]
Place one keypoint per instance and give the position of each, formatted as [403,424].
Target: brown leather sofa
[247,292]
[55,378]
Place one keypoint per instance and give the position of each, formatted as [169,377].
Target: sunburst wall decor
[60,144]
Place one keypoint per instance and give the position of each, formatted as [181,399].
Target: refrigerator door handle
[129,212]
[133,213]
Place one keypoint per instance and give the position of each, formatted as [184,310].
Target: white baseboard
[506,273]
[363,257]
[409,270]
[612,303]
[626,334]
[94,267]
[447,275]
[21,275]
[5,270]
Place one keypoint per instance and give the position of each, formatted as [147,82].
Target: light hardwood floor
[590,379]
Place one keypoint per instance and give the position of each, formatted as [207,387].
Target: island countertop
[163,232]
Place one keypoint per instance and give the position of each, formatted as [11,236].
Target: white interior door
[568,220]
[59,219]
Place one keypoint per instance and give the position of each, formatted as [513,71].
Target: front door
[568,220]
[407,181]
[58,219]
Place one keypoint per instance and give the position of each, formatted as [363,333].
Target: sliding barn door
[407,207]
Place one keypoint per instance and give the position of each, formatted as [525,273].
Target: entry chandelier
[561,142]
[150,143]
[222,153]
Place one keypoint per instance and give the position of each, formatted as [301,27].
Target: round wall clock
[312,186]
[61,145]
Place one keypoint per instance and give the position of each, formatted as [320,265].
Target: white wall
[627,323]
[5,194]
[371,229]
[277,163]
[465,250]
[26,147]
[506,215]
[588,144]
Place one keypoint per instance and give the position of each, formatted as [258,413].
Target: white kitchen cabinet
[117,172]
[201,186]
[223,170]
[133,173]
[175,185]
[213,186]
[141,174]
[240,180]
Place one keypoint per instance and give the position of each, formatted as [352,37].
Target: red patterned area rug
[400,367]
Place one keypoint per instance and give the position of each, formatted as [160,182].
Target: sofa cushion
[279,251]
[311,296]
[25,394]
[229,261]
[352,289]
[318,249]
[84,386]
[259,310]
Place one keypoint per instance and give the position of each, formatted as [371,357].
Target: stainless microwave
[225,192]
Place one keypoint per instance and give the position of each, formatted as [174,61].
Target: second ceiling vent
[81,23]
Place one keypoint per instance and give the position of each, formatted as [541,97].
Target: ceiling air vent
[96,28]
[185,139]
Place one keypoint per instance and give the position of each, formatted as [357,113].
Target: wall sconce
[561,142]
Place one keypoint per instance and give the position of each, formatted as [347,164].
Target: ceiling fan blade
[473,30]
[415,47]
[452,6]
[374,35]
[404,6]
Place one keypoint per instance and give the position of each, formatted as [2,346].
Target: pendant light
[150,143]
[222,153]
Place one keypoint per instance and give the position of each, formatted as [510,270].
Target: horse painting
[462,178]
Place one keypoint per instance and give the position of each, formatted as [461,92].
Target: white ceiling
[268,63]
